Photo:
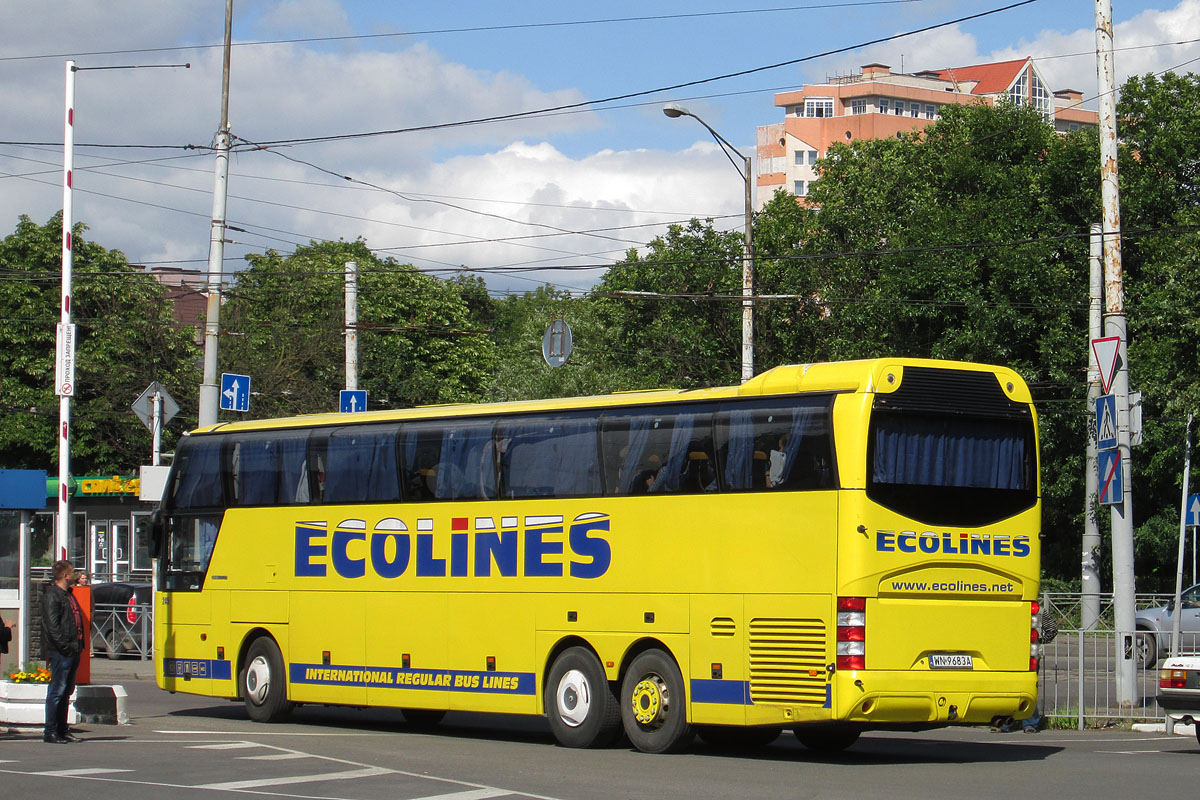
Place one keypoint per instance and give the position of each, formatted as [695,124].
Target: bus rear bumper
[937,698]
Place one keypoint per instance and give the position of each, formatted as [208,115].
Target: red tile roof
[990,78]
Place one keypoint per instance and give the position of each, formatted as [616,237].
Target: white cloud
[303,18]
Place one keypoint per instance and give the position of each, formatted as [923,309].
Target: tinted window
[269,468]
[553,456]
[357,464]
[951,469]
[776,444]
[196,474]
[653,451]
[449,461]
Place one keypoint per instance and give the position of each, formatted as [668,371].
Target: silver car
[1154,626]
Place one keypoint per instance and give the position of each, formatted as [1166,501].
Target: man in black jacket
[62,632]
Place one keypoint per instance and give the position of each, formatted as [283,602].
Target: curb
[1181,728]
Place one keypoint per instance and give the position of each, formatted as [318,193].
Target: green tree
[420,339]
[522,371]
[964,242]
[1159,124]
[125,340]
[668,317]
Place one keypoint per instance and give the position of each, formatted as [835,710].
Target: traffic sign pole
[1186,514]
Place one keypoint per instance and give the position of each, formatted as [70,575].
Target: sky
[547,198]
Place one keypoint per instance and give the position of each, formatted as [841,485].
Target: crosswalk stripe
[225,746]
[474,794]
[275,757]
[328,776]
[76,773]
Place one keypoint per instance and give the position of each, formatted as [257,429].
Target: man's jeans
[58,693]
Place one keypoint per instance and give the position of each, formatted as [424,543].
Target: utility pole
[64,373]
[210,397]
[351,325]
[1090,577]
[1115,325]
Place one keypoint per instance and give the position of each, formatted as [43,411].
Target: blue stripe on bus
[438,680]
[708,690]
[197,668]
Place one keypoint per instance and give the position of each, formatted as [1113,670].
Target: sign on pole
[556,342]
[64,363]
[352,401]
[235,392]
[1106,352]
[1112,482]
[1106,422]
[144,405]
[1193,509]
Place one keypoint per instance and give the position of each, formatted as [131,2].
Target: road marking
[276,757]
[226,746]
[478,794]
[327,776]
[263,733]
[78,773]
[1128,752]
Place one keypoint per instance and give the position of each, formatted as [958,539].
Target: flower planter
[25,704]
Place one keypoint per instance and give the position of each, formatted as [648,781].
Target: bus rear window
[951,469]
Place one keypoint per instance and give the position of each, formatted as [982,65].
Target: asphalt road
[180,746]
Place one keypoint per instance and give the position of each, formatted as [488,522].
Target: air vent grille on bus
[787,661]
[723,626]
[951,391]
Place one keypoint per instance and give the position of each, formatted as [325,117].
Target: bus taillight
[1035,625]
[852,633]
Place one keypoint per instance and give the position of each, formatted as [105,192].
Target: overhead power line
[473,29]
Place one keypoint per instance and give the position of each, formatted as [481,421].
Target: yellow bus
[827,548]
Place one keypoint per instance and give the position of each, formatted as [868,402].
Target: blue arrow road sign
[1193,509]
[235,392]
[1106,422]
[1111,478]
[352,401]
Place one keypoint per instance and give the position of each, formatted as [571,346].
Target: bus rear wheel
[263,684]
[653,704]
[580,704]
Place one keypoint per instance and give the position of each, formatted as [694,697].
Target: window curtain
[361,467]
[681,436]
[931,452]
[802,417]
[467,469]
[739,460]
[639,436]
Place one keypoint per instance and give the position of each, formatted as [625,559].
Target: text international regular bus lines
[828,548]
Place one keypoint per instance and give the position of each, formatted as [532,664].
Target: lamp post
[675,111]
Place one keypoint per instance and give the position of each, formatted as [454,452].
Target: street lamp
[675,111]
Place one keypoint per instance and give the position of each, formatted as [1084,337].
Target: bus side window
[552,456]
[420,452]
[361,466]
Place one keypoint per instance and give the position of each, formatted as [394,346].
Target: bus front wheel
[580,704]
[653,705]
[264,686]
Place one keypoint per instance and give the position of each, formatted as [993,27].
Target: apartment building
[877,102]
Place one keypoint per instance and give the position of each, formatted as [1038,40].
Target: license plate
[951,661]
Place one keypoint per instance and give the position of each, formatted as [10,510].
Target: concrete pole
[65,350]
[1183,515]
[23,621]
[210,397]
[748,280]
[352,325]
[1090,577]
[1115,325]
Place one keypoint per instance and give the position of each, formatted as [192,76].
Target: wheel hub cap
[650,701]
[574,698]
[258,680]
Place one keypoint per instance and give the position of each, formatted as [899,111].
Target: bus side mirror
[157,533]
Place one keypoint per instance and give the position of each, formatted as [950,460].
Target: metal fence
[123,630]
[1077,680]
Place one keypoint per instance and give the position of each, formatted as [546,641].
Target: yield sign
[1106,351]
